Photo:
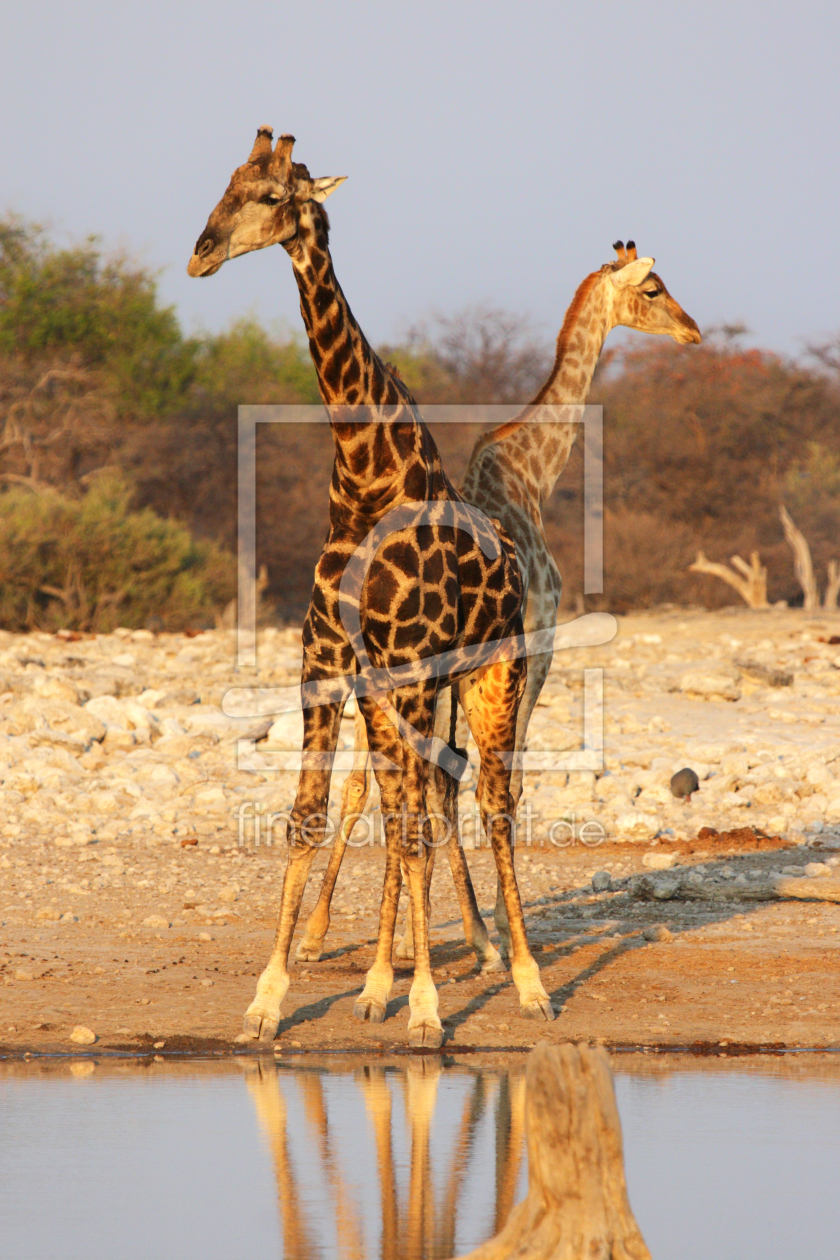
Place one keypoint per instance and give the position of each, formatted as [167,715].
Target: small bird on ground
[683,783]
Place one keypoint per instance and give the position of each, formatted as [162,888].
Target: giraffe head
[262,205]
[638,298]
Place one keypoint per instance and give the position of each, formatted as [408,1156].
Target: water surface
[407,1160]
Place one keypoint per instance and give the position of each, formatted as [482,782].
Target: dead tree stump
[751,586]
[577,1202]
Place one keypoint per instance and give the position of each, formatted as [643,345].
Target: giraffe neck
[349,370]
[377,466]
[544,448]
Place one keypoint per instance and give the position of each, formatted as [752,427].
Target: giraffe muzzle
[202,262]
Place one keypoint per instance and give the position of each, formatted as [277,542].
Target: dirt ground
[130,905]
[723,978]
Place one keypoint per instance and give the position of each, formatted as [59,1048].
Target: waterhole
[355,1159]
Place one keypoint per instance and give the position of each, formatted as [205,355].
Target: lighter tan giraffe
[510,476]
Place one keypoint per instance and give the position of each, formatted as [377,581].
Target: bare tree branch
[802,560]
[752,587]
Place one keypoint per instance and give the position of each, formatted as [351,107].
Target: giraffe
[408,574]
[511,474]
[422,1217]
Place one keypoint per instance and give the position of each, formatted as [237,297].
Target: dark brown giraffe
[408,574]
[511,474]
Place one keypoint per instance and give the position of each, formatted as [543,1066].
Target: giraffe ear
[633,273]
[321,188]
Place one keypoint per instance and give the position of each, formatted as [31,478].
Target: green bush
[93,564]
[104,312]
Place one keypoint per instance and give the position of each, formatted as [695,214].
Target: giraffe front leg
[305,834]
[425,1030]
[372,1004]
[263,1015]
[534,1002]
[405,946]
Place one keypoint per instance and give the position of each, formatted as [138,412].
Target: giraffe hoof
[426,1034]
[309,950]
[491,962]
[259,1027]
[539,1008]
[404,950]
[368,1010]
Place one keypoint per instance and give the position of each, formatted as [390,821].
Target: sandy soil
[110,921]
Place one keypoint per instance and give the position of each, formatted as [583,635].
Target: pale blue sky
[494,150]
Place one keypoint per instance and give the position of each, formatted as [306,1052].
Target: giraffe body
[439,579]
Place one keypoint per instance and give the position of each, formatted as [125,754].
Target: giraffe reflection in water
[420,1198]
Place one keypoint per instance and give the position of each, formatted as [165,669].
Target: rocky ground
[137,901]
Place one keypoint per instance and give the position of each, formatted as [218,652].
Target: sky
[494,150]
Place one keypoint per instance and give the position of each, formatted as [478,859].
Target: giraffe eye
[270,199]
[652,293]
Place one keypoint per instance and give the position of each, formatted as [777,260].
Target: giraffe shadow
[629,917]
[315,1010]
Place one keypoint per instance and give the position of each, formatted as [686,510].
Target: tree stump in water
[576,1207]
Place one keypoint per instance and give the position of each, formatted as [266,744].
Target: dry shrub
[93,564]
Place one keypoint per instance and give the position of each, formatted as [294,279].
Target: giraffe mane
[512,426]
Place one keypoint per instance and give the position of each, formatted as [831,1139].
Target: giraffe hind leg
[488,958]
[353,800]
[371,1005]
[491,700]
[442,795]
[538,667]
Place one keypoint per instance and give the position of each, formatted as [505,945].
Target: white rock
[814,870]
[34,713]
[819,775]
[637,825]
[50,687]
[659,861]
[104,802]
[109,710]
[286,732]
[210,796]
[655,794]
[716,684]
[736,800]
[141,717]
[83,1036]
[152,697]
[156,921]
